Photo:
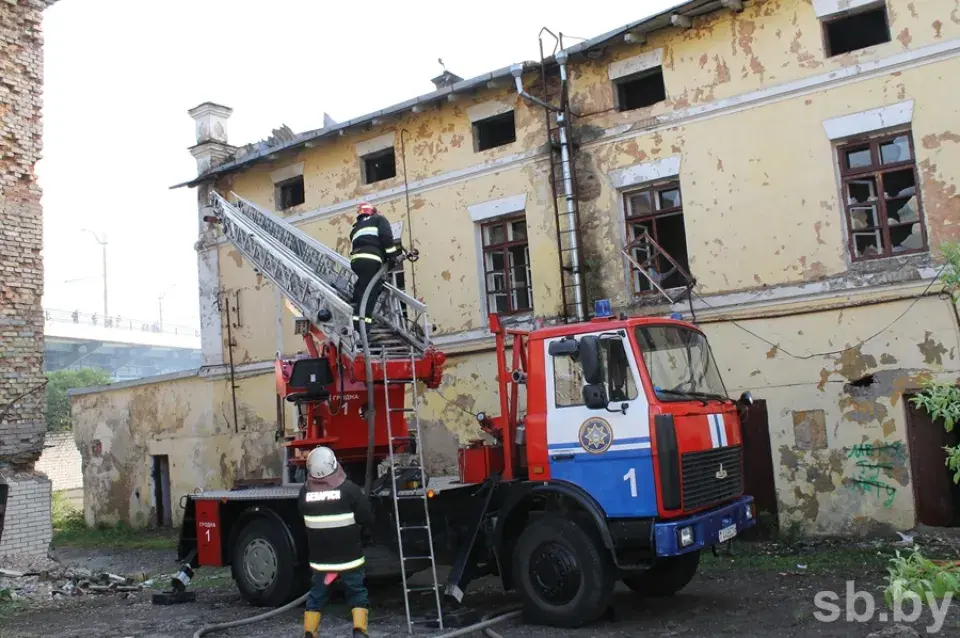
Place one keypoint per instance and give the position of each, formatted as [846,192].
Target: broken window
[494,131]
[289,193]
[658,211]
[859,30]
[379,166]
[881,197]
[640,90]
[506,265]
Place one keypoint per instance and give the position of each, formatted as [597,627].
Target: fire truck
[616,453]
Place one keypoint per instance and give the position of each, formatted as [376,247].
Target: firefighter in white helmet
[338,517]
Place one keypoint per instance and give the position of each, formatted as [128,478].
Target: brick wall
[61,462]
[26,519]
[21,230]
[25,527]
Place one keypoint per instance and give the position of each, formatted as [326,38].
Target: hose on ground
[511,612]
[209,629]
[484,624]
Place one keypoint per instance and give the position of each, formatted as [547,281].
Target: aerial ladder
[389,361]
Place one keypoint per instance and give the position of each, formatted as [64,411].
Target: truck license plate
[727,533]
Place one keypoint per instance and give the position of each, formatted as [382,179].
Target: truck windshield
[680,363]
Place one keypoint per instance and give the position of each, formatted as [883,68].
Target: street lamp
[103,244]
[160,302]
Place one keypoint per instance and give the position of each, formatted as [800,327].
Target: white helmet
[321,462]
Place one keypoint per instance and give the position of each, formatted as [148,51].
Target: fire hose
[484,625]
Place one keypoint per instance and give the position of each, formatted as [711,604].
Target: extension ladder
[405,528]
[318,281]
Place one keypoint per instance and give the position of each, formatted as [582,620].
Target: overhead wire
[832,352]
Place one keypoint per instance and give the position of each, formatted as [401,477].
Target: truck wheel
[563,573]
[666,577]
[263,565]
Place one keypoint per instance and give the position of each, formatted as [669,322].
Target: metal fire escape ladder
[563,172]
[420,526]
[655,264]
[318,281]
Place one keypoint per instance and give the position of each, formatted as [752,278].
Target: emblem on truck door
[721,473]
[596,435]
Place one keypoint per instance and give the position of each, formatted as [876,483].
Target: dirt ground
[764,590]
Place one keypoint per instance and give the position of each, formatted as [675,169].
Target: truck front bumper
[692,533]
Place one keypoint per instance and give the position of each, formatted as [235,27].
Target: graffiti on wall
[874,461]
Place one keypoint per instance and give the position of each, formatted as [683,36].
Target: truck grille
[701,487]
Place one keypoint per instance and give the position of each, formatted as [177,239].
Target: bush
[65,517]
[922,576]
[58,403]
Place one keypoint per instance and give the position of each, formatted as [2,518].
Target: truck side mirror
[590,360]
[595,396]
[564,348]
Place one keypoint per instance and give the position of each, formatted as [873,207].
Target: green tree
[58,403]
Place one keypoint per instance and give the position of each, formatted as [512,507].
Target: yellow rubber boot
[311,624]
[359,622]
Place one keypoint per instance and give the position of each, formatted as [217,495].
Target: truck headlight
[685,535]
[750,511]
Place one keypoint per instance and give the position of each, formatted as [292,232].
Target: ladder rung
[423,589]
[417,558]
[405,528]
[403,409]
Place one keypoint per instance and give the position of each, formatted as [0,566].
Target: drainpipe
[565,159]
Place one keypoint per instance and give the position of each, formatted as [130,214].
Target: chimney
[446,79]
[211,149]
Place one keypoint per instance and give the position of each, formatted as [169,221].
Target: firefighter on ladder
[338,517]
[371,244]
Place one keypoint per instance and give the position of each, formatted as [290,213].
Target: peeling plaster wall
[857,478]
[189,420]
[761,200]
[747,95]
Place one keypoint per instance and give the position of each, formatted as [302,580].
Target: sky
[120,76]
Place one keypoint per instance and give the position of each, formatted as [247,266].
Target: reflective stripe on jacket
[372,238]
[334,516]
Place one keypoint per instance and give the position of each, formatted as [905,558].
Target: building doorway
[935,495]
[758,463]
[161,489]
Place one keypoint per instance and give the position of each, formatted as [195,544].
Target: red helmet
[366,208]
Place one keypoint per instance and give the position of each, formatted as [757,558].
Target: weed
[920,575]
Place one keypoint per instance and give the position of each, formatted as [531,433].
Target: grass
[70,530]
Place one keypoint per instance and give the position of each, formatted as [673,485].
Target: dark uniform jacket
[336,513]
[372,238]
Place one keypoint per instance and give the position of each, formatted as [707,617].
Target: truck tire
[666,577]
[564,574]
[263,565]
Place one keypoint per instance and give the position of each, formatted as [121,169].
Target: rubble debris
[44,579]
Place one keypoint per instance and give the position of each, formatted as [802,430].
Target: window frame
[375,155]
[655,188]
[876,170]
[503,248]
[619,87]
[827,21]
[476,125]
[633,368]
[278,191]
